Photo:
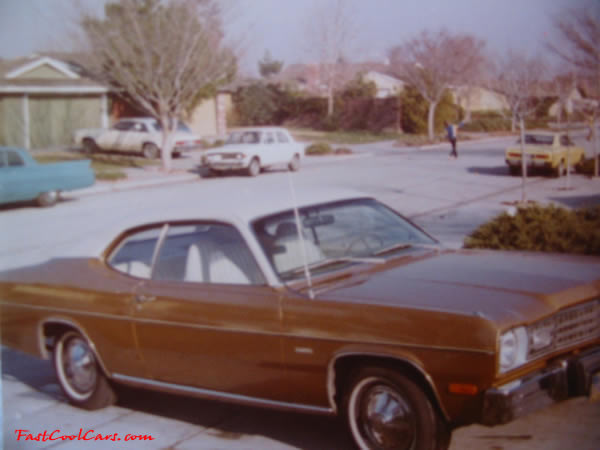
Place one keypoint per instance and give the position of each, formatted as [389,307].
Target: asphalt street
[447,197]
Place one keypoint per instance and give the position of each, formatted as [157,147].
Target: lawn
[108,167]
[341,137]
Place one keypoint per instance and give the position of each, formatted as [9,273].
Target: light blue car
[23,179]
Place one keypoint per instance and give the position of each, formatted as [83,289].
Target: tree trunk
[430,120]
[329,101]
[523,162]
[168,127]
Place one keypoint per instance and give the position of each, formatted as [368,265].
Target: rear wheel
[386,410]
[79,374]
[294,164]
[46,199]
[150,151]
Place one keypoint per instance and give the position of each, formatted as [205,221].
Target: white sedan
[136,134]
[253,149]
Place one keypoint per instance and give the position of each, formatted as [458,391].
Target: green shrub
[414,111]
[544,229]
[320,148]
[486,121]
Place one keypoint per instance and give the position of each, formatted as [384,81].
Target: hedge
[541,228]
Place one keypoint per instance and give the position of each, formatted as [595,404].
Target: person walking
[451,131]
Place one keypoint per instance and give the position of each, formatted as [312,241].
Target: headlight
[513,349]
[541,336]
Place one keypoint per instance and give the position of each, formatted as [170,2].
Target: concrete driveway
[447,197]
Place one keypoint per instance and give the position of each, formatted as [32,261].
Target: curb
[117,186]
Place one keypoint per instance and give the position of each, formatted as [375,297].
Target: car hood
[505,287]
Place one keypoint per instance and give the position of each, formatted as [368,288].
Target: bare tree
[331,32]
[517,77]
[163,55]
[577,42]
[433,62]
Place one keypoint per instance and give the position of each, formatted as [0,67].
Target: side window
[134,254]
[139,127]
[282,138]
[123,126]
[206,253]
[14,159]
[269,139]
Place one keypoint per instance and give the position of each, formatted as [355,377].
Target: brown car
[337,306]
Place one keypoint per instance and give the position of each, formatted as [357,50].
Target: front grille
[569,327]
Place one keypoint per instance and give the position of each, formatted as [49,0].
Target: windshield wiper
[333,261]
[393,248]
[403,246]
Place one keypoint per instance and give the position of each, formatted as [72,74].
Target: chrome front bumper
[568,377]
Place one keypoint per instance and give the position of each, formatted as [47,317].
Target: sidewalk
[185,173]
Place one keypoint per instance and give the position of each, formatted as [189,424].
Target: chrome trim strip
[331,376]
[136,320]
[211,394]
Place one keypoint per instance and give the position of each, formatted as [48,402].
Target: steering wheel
[368,242]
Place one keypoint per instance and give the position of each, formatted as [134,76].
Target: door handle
[140,298]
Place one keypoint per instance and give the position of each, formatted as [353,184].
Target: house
[387,86]
[572,98]
[43,100]
[312,78]
[477,98]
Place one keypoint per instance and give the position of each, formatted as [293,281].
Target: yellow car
[549,151]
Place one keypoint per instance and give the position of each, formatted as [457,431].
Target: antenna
[311,294]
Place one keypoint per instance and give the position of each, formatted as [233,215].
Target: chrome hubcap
[79,365]
[387,419]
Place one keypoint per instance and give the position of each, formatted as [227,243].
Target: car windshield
[243,137]
[180,127]
[538,139]
[334,235]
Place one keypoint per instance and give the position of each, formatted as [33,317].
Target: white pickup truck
[253,149]
[137,134]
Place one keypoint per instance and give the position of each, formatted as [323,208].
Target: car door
[114,138]
[17,181]
[206,318]
[285,148]
[135,137]
[269,148]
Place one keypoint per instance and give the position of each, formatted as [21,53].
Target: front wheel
[78,373]
[560,169]
[386,410]
[89,146]
[253,168]
[150,151]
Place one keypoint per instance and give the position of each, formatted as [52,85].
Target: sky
[282,26]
